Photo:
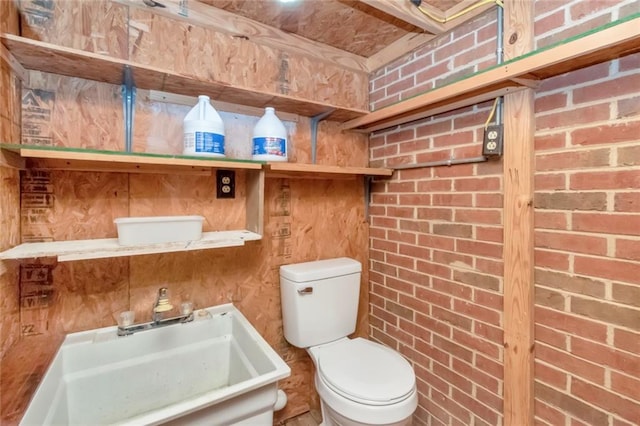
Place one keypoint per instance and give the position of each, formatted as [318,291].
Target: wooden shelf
[109,247]
[317,171]
[51,58]
[55,158]
[52,158]
[609,42]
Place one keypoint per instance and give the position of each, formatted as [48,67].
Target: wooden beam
[451,15]
[442,108]
[397,49]
[320,171]
[407,12]
[13,63]
[12,160]
[220,20]
[255,201]
[442,99]
[518,164]
[593,47]
[117,161]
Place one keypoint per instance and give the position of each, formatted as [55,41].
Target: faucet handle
[126,318]
[186,308]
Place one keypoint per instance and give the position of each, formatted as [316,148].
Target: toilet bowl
[363,383]
[359,382]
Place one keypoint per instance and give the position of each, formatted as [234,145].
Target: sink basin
[216,369]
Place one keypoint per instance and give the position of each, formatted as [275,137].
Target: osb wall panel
[9,82]
[20,374]
[66,297]
[109,28]
[9,105]
[335,147]
[10,99]
[98,26]
[303,222]
[9,23]
[204,53]
[9,237]
[327,220]
[58,205]
[158,126]
[184,195]
[72,112]
[88,294]
[9,189]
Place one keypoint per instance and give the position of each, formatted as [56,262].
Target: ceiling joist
[433,21]
[406,11]
[456,15]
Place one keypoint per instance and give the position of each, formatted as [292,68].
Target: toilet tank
[319,300]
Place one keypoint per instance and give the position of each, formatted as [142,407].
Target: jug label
[205,142]
[270,146]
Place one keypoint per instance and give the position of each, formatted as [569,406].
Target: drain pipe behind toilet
[281,401]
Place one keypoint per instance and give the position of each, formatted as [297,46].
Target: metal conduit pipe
[500,56]
[450,162]
[482,159]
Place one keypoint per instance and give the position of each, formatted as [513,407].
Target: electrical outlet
[225,184]
[492,145]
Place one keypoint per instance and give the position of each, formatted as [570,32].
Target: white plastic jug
[269,138]
[203,130]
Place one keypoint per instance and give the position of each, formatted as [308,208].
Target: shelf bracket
[128,91]
[368,180]
[314,131]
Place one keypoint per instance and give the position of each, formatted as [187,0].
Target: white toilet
[359,382]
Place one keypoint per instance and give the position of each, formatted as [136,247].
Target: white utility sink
[216,369]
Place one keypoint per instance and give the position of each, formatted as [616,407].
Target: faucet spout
[161,305]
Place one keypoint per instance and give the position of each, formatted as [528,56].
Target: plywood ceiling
[365,28]
[348,25]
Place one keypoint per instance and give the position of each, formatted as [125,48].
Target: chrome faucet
[160,306]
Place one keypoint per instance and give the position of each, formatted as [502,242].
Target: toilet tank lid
[320,269]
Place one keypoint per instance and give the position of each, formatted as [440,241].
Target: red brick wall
[588,235]
[436,234]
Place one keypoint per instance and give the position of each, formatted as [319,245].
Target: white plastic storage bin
[133,231]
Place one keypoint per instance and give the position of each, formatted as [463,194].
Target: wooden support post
[519,128]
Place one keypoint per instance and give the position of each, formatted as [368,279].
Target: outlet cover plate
[493,138]
[225,183]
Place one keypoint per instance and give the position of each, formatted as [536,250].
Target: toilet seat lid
[366,371]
